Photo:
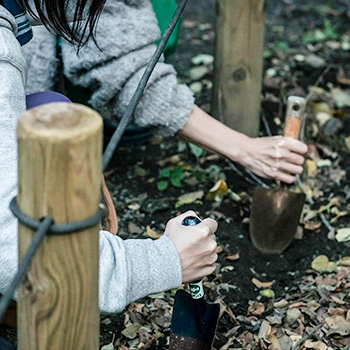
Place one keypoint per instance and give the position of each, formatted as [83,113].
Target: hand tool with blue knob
[194,320]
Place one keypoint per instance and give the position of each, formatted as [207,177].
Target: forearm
[213,135]
[276,157]
[134,268]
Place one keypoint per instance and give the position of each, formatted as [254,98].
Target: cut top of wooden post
[65,156]
[59,120]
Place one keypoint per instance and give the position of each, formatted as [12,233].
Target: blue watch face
[190,221]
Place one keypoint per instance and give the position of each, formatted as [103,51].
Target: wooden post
[60,148]
[238,63]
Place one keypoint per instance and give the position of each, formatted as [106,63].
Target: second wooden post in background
[240,32]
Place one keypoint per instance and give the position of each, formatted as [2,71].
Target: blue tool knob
[196,287]
[190,221]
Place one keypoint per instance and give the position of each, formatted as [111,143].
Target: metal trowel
[275,212]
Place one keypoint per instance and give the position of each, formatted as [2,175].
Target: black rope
[56,229]
[127,117]
[44,227]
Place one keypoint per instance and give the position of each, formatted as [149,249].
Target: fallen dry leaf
[260,284]
[264,331]
[337,325]
[292,316]
[256,308]
[219,190]
[343,235]
[131,331]
[151,233]
[322,264]
[189,198]
[233,257]
[319,345]
[345,261]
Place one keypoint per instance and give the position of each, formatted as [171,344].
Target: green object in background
[165,10]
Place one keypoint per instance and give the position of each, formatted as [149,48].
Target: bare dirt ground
[307,44]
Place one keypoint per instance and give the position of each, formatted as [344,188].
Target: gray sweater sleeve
[42,61]
[12,102]
[126,32]
[134,268]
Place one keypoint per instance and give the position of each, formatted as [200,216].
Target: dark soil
[287,22]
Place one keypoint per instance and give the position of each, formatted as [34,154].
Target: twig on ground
[312,202]
[266,124]
[234,168]
[318,81]
[256,178]
[307,336]
[309,95]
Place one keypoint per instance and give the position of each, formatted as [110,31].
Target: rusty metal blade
[274,218]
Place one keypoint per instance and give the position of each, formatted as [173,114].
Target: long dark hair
[53,14]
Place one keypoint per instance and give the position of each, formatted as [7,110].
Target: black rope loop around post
[127,117]
[56,229]
[43,228]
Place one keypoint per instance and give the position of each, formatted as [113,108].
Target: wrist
[237,150]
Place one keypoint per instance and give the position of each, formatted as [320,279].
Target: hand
[196,246]
[277,157]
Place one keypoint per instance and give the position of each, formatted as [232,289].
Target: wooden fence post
[59,166]
[240,32]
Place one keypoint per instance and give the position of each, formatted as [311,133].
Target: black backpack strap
[4,344]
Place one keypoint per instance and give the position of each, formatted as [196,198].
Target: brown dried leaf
[311,167]
[326,281]
[337,300]
[174,160]
[219,249]
[256,308]
[336,311]
[281,303]
[131,331]
[319,345]
[338,325]
[189,198]
[275,344]
[151,233]
[312,225]
[264,331]
[219,190]
[146,339]
[292,316]
[246,338]
[233,257]
[345,261]
[260,284]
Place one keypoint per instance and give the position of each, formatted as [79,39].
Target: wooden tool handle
[295,110]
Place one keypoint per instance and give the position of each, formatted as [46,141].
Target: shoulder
[7,20]
[10,49]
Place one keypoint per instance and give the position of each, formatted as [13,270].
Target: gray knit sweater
[126,33]
[129,269]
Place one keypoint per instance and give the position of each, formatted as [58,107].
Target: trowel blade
[274,218]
